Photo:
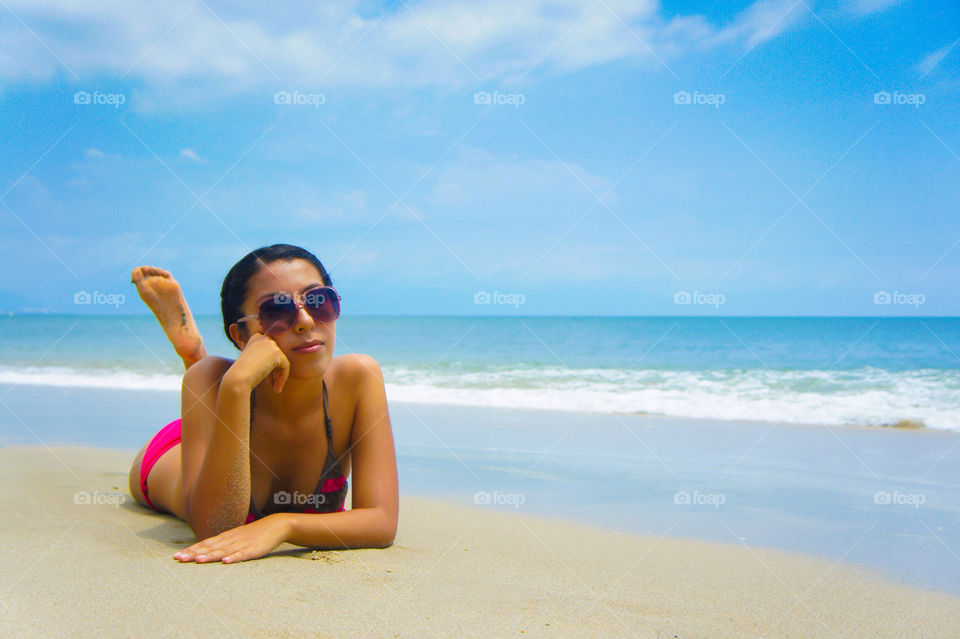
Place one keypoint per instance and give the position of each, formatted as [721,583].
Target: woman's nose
[304,321]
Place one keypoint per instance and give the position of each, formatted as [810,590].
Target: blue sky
[588,183]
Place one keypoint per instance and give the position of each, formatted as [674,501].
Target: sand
[104,568]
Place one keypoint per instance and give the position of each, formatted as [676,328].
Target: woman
[264,444]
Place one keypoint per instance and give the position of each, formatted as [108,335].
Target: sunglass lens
[322,304]
[277,314]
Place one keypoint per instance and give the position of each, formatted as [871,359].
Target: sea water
[829,371]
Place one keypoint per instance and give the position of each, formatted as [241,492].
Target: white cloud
[343,209]
[932,60]
[761,21]
[184,52]
[95,154]
[867,7]
[356,200]
[477,179]
[579,261]
[191,155]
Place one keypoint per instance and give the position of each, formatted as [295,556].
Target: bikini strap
[326,415]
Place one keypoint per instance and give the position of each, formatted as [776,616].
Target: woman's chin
[309,370]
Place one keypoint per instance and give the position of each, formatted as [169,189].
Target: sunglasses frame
[297,306]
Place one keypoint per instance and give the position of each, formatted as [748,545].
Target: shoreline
[901,425]
[87,568]
[807,489]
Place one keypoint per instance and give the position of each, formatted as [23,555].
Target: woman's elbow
[386,532]
[387,540]
[203,530]
[206,525]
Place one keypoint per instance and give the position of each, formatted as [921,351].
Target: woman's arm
[215,448]
[216,434]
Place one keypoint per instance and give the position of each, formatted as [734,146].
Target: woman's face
[293,277]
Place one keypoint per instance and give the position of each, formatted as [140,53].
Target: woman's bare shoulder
[355,368]
[208,370]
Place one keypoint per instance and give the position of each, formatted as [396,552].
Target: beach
[669,490]
[661,297]
[81,559]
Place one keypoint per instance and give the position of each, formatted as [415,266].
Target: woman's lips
[311,347]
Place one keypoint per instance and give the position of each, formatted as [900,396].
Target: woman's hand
[261,357]
[248,541]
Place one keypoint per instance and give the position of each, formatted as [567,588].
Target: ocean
[830,371]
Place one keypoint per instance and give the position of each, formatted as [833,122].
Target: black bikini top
[331,490]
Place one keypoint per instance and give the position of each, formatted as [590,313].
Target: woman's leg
[163,296]
[165,482]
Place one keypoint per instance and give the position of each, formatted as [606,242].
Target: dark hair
[234,289]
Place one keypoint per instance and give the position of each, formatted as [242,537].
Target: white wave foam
[72,377]
[868,396]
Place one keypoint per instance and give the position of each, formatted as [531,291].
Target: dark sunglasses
[279,312]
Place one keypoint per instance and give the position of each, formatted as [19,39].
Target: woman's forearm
[358,528]
[220,498]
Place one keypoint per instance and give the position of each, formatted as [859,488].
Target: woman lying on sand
[265,443]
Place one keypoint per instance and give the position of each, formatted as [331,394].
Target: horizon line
[4,313]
